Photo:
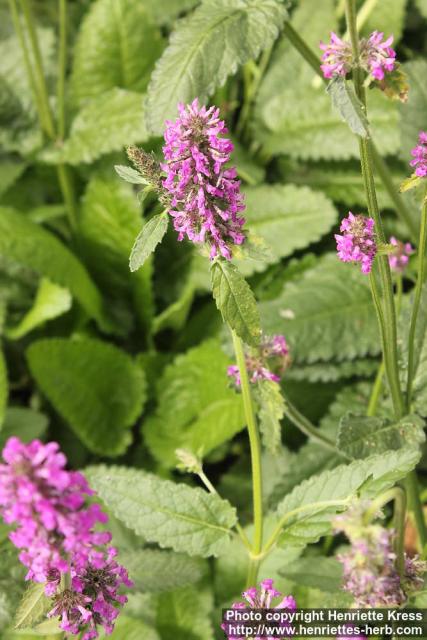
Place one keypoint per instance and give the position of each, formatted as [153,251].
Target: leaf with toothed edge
[151,234]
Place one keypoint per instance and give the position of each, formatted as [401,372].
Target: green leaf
[129,174]
[185,615]
[173,515]
[196,407]
[206,48]
[236,301]
[10,171]
[309,508]
[116,46]
[288,218]
[413,114]
[26,424]
[50,302]
[147,240]
[422,7]
[33,607]
[130,628]
[326,313]
[308,128]
[387,16]
[270,413]
[155,571]
[168,10]
[33,247]
[105,124]
[360,436]
[101,409]
[316,573]
[348,106]
[4,388]
[332,371]
[110,218]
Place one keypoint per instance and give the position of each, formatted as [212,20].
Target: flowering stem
[62,63]
[255,445]
[376,391]
[422,245]
[304,425]
[381,167]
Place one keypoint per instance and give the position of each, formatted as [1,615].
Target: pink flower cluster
[399,259]
[262,598]
[357,242]
[54,530]
[206,197]
[268,362]
[419,154]
[370,572]
[376,57]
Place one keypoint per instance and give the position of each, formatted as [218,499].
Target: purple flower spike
[336,58]
[206,197]
[377,56]
[357,242]
[419,154]
[399,259]
[268,362]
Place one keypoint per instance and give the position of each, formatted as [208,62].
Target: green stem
[398,495]
[67,189]
[252,79]
[252,575]
[62,64]
[412,488]
[422,246]
[376,391]
[40,77]
[255,444]
[304,425]
[383,171]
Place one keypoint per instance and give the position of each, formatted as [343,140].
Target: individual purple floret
[370,571]
[376,57]
[336,58]
[265,597]
[268,362]
[55,532]
[206,197]
[399,259]
[357,242]
[419,154]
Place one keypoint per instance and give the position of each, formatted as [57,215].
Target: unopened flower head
[419,154]
[399,259]
[205,194]
[263,597]
[376,56]
[267,362]
[357,242]
[370,571]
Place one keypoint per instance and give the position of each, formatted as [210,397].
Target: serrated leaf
[26,424]
[173,515]
[270,413]
[317,495]
[205,49]
[308,128]
[28,244]
[316,573]
[360,436]
[348,106]
[185,614]
[50,302]
[236,301]
[105,124]
[287,218]
[326,313]
[33,607]
[332,371]
[413,113]
[169,9]
[153,570]
[110,217]
[149,237]
[100,407]
[129,174]
[196,407]
[116,46]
